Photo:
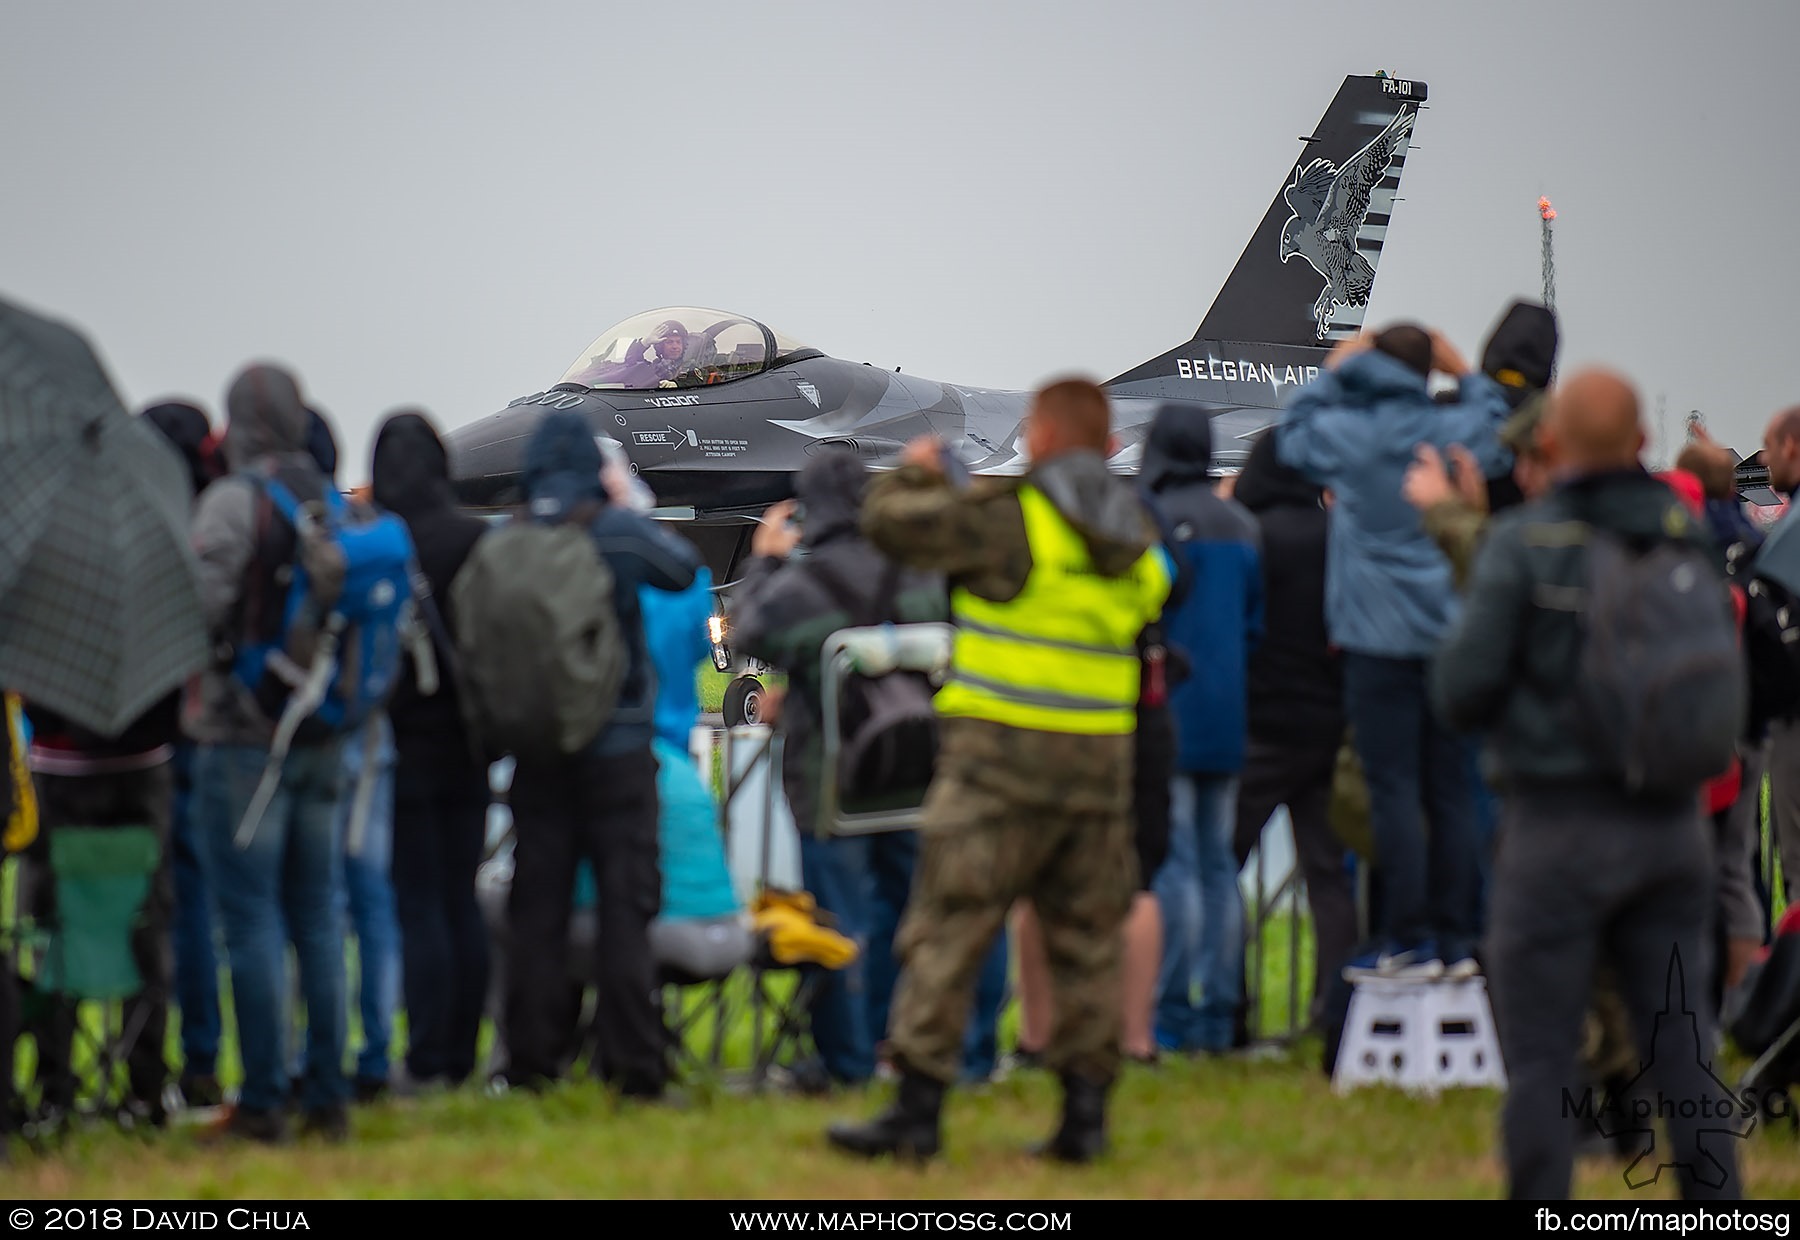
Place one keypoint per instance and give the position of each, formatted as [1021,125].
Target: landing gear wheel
[743,702]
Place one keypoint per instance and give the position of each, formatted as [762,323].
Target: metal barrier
[762,848]
[1264,908]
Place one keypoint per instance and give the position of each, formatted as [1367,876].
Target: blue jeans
[1418,773]
[872,875]
[372,916]
[839,1013]
[1203,916]
[981,1045]
[288,875]
[191,929]
[890,860]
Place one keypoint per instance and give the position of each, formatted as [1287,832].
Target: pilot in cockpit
[651,361]
[668,346]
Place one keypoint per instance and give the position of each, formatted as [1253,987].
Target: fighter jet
[718,412]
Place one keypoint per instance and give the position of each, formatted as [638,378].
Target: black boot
[907,1129]
[1082,1137]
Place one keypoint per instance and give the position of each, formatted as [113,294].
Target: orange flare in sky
[1545,209]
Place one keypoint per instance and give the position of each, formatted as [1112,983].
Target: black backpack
[1661,689]
[887,725]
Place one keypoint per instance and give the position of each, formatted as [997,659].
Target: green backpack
[540,650]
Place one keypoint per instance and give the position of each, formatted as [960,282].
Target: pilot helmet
[668,329]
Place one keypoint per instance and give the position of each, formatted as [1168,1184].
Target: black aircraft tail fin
[1306,276]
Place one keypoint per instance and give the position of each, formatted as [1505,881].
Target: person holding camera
[1053,576]
[803,583]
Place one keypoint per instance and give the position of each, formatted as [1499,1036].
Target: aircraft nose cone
[486,457]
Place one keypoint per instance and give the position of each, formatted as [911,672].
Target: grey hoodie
[784,611]
[267,426]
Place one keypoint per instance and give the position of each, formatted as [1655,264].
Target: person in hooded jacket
[1389,599]
[1520,356]
[186,425]
[601,805]
[803,582]
[366,890]
[191,925]
[289,872]
[1296,715]
[1217,626]
[441,789]
[1053,577]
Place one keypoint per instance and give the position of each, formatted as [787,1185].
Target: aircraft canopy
[681,346]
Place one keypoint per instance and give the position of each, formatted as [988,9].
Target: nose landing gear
[743,701]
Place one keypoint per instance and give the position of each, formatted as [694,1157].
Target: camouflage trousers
[980,851]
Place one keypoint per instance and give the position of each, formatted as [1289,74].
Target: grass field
[711,685]
[1185,1129]
[1238,1127]
[1242,1127]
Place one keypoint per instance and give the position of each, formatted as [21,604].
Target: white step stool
[1421,1035]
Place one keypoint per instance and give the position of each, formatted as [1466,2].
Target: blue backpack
[327,656]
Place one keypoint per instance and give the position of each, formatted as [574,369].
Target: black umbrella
[99,606]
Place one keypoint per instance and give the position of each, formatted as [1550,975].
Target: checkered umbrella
[99,606]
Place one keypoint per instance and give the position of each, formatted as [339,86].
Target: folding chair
[687,1021]
[704,935]
[763,852]
[680,973]
[83,956]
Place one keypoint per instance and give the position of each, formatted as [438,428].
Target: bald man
[1585,871]
[1781,453]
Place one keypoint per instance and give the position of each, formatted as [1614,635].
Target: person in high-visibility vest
[1052,576]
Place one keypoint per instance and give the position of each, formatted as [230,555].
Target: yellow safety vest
[1062,655]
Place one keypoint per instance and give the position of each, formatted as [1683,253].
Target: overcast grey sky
[443,203]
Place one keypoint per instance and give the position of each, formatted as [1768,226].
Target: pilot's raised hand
[666,383]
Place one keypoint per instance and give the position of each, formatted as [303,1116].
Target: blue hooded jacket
[562,469]
[1388,588]
[1220,620]
[675,628]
